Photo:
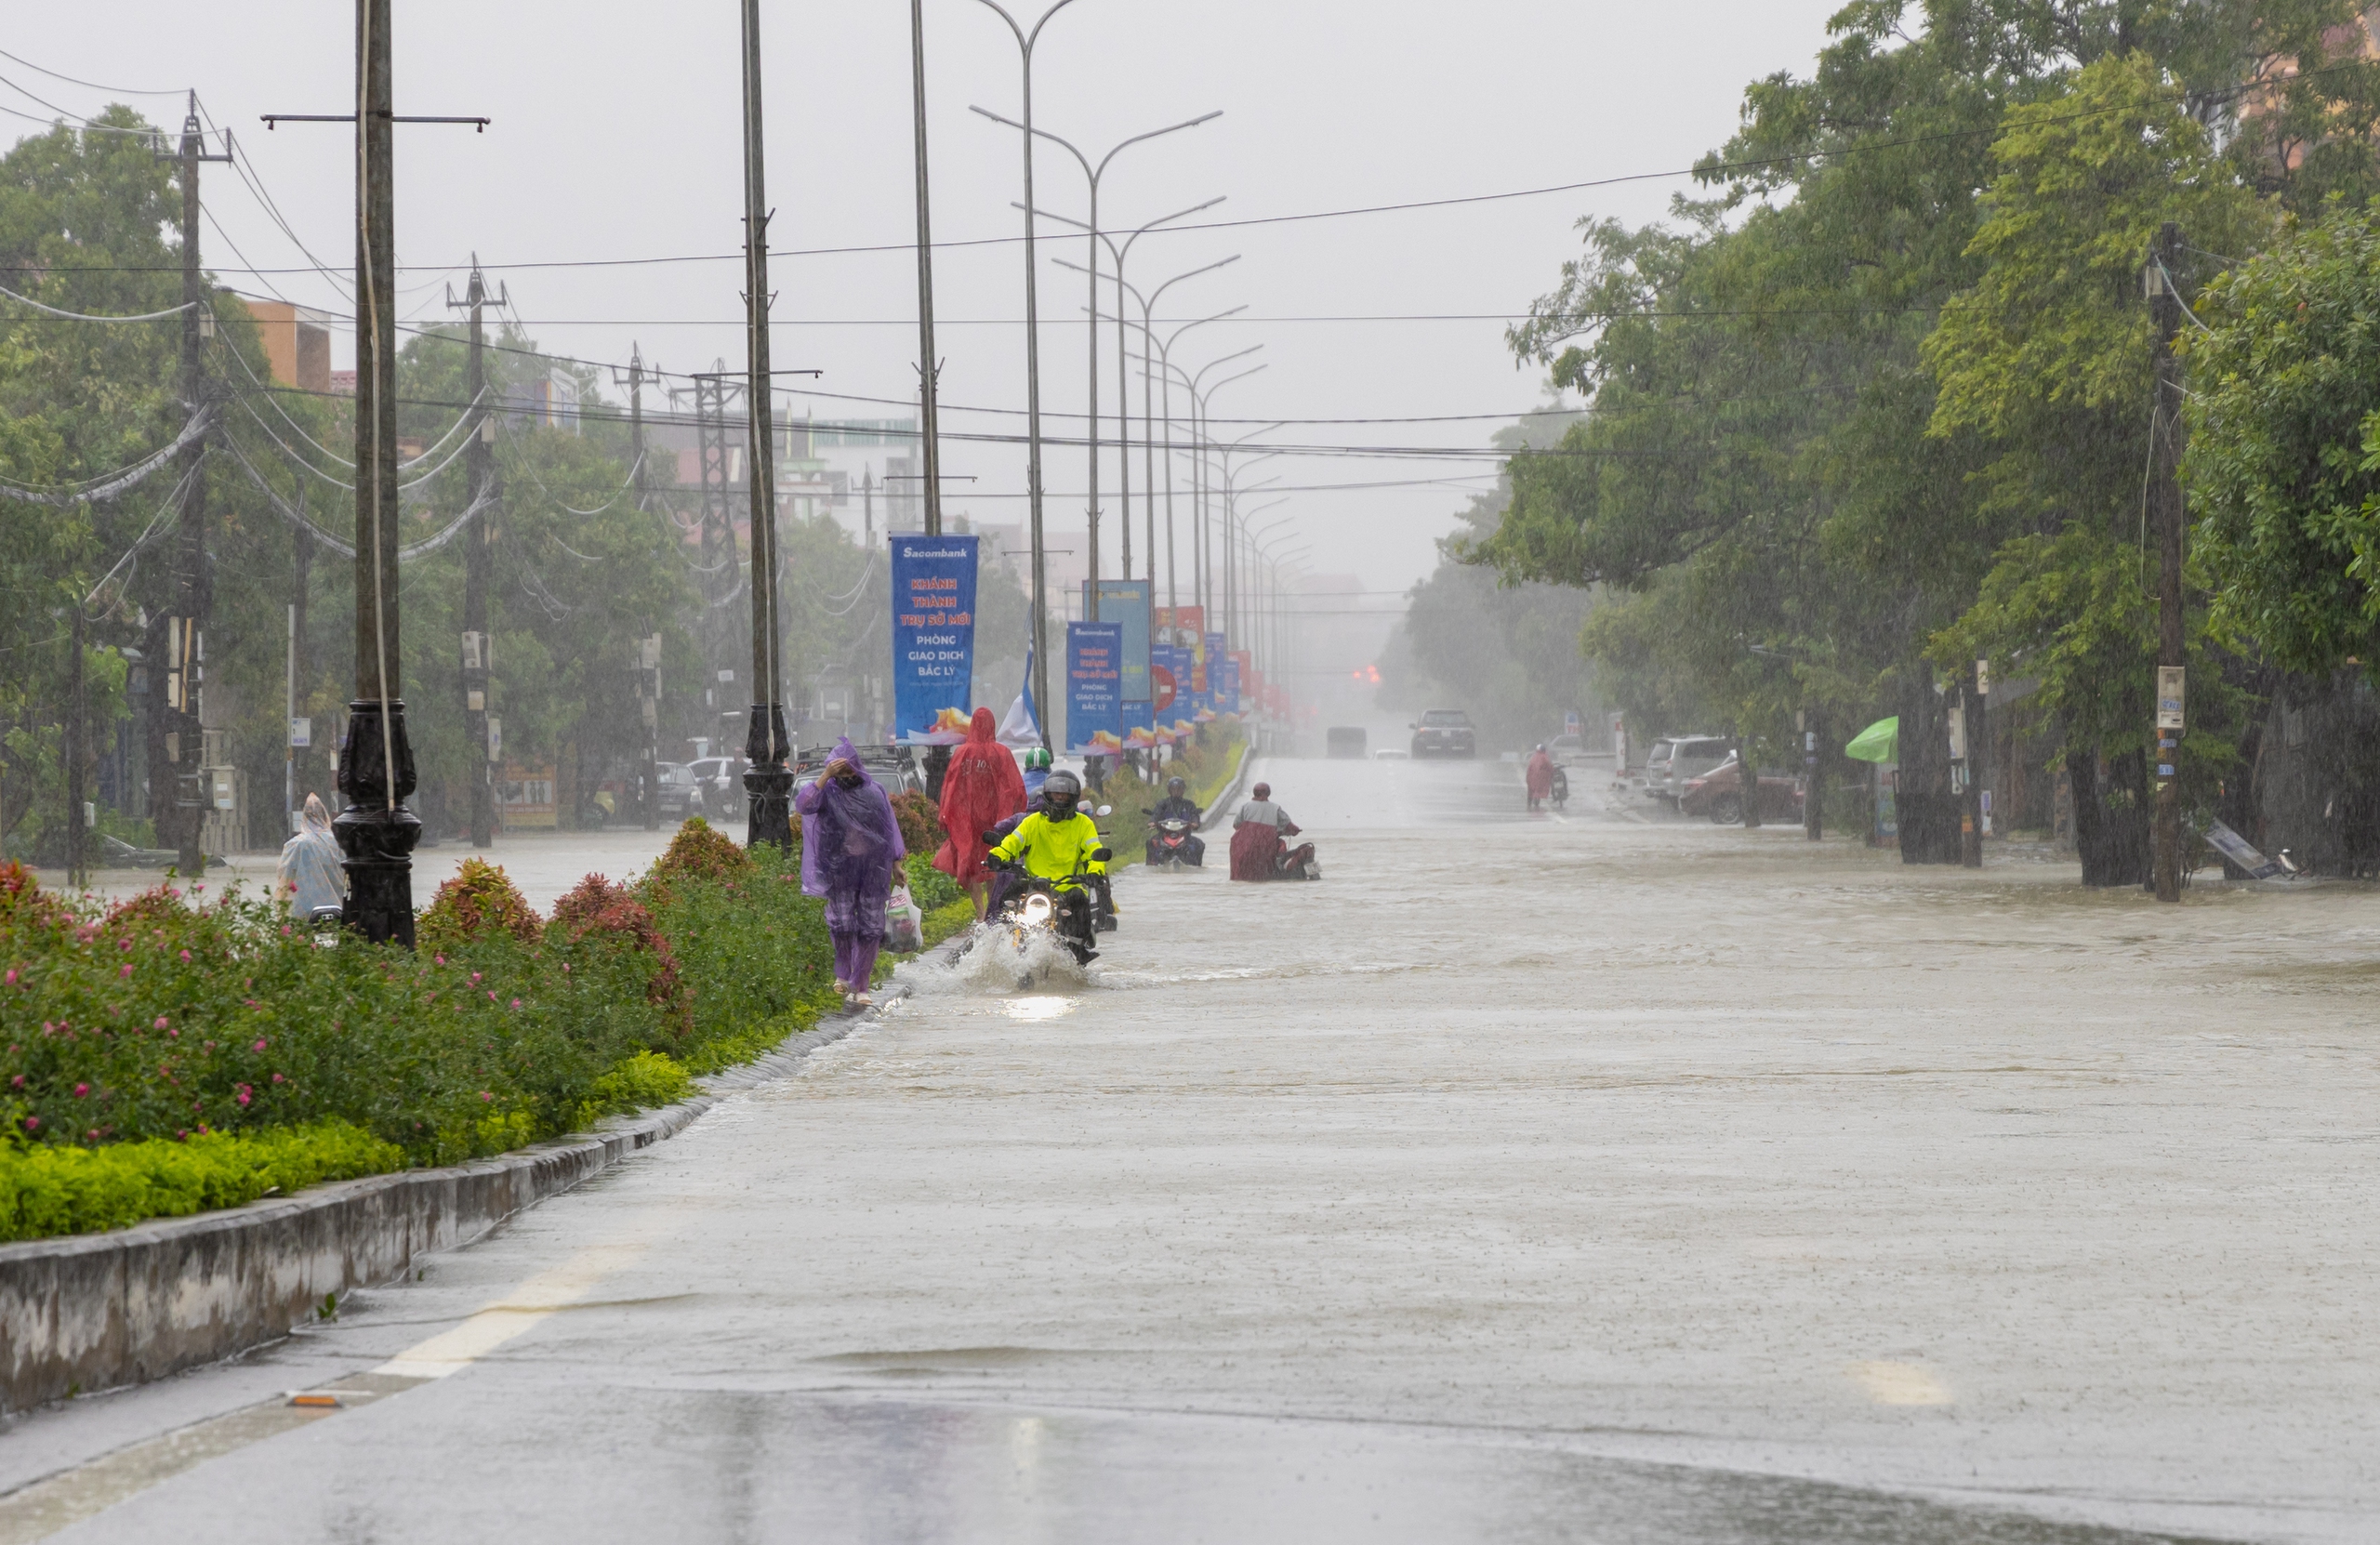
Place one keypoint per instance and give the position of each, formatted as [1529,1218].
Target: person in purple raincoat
[850,842]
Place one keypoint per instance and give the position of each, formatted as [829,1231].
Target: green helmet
[1038,759]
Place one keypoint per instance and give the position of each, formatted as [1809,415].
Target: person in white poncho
[310,874]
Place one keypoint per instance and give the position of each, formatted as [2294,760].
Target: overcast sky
[615,138]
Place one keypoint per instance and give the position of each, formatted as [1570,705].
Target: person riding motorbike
[1176,806]
[1258,851]
[1541,777]
[1054,842]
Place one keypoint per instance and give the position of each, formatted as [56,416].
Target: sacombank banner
[1126,603]
[1094,709]
[933,637]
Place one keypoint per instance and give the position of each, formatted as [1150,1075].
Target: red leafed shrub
[609,917]
[701,852]
[24,906]
[920,823]
[480,901]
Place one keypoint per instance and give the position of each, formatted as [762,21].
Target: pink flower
[491,994]
[516,1003]
[47,1028]
[123,943]
[18,1082]
[124,969]
[173,1035]
[279,1079]
[185,955]
[475,976]
[285,928]
[93,1135]
[12,976]
[259,1045]
[439,958]
[244,1094]
[32,1123]
[161,1022]
[81,1090]
[486,1096]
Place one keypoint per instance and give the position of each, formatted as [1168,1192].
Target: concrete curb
[93,1312]
[1225,801]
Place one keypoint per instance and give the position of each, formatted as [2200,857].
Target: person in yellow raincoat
[1056,842]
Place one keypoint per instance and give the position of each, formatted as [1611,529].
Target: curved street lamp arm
[1186,122]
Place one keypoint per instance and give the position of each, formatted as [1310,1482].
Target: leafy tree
[2284,459]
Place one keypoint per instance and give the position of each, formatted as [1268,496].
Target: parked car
[722,779]
[1444,733]
[1676,759]
[683,792]
[1567,750]
[1345,740]
[893,766]
[1719,795]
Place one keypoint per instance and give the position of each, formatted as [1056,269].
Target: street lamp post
[1232,491]
[768,783]
[1092,175]
[1123,405]
[1168,370]
[1039,632]
[1202,443]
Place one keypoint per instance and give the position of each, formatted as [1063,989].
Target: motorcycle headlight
[1037,909]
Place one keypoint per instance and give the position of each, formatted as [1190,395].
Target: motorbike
[1063,911]
[1561,790]
[1170,844]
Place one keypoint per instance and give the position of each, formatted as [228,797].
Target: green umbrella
[1878,742]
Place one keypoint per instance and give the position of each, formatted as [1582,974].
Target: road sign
[2169,697]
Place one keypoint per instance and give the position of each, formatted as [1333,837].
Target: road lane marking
[1900,1384]
[450,1351]
[36,1511]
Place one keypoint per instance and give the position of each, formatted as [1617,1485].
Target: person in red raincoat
[981,788]
[1257,849]
[1541,777]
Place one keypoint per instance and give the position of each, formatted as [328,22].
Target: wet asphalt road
[1528,1178]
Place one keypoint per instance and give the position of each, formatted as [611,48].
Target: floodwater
[1528,1178]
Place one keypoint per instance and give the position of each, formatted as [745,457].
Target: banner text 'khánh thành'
[1094,711]
[1126,603]
[933,637]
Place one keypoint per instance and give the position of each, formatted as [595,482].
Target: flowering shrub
[920,823]
[701,852]
[480,901]
[617,927]
[165,1019]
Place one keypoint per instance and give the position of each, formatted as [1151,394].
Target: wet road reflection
[1524,1180]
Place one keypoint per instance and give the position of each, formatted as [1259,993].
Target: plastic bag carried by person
[904,924]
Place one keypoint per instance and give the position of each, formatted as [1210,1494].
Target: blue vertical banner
[1094,672]
[1126,603]
[1213,701]
[1231,703]
[933,637]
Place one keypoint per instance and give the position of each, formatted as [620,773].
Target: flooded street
[1528,1178]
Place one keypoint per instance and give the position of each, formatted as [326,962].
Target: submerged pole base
[376,832]
[768,783]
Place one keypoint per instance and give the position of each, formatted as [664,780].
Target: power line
[94,86]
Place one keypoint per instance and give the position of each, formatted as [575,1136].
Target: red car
[1719,795]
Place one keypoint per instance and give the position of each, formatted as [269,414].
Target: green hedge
[178,1017]
[55,1188]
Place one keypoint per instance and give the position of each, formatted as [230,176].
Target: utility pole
[929,364]
[649,649]
[301,575]
[376,770]
[767,780]
[177,732]
[479,465]
[1747,779]
[77,746]
[2166,514]
[1813,795]
[1977,745]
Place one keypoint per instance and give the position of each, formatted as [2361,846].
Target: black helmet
[1174,785]
[1060,790]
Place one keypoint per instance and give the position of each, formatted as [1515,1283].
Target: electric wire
[79,316]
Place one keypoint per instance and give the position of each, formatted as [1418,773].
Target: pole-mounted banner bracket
[274,120]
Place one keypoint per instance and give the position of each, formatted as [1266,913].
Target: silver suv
[1675,758]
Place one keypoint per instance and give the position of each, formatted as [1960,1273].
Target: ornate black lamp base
[768,783]
[376,834]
